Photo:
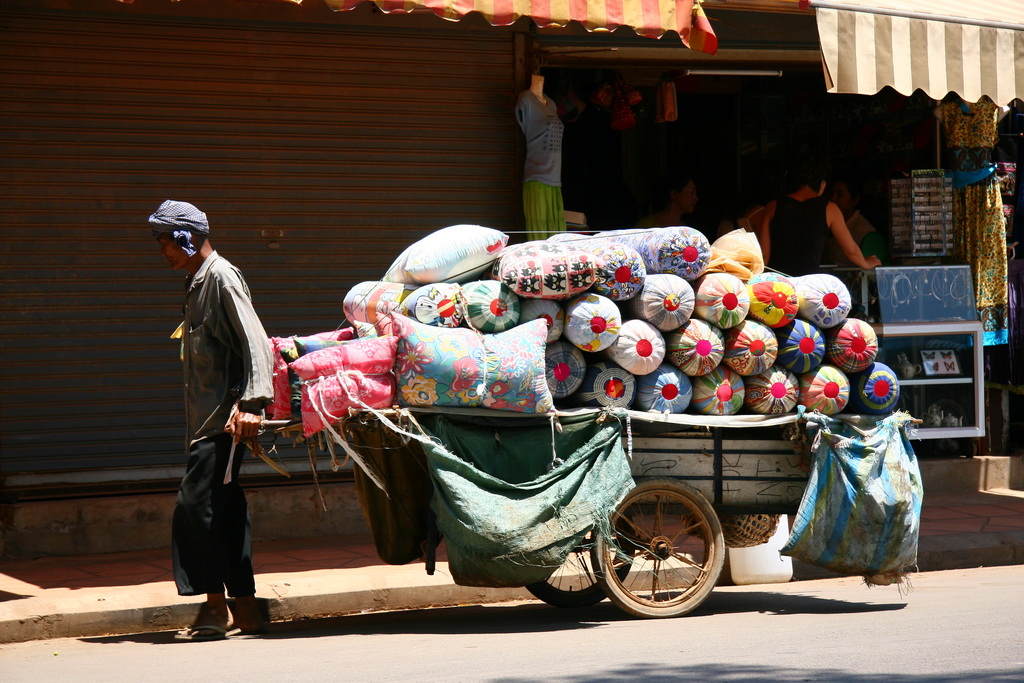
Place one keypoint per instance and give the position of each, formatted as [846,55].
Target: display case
[940,369]
[925,294]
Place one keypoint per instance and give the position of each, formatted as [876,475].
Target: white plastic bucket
[763,563]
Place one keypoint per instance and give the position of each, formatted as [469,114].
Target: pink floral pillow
[368,356]
[284,352]
[353,375]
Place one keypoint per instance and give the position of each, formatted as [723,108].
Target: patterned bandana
[180,220]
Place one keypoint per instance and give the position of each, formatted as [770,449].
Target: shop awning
[652,18]
[939,46]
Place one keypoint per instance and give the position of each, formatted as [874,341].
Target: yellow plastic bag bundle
[737,253]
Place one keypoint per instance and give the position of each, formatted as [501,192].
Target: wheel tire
[668,536]
[575,583]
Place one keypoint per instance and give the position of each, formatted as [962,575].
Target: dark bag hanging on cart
[861,510]
[397,518]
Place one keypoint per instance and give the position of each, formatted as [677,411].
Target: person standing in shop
[227,370]
[677,197]
[538,118]
[793,229]
[846,194]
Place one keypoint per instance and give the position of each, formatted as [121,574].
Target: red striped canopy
[650,18]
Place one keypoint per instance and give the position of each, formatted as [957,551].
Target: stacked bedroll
[654,320]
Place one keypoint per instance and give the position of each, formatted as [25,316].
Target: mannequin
[979,237]
[538,118]
[537,88]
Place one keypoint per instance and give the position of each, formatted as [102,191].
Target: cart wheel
[668,536]
[574,583]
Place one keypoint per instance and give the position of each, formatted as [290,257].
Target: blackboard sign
[923,294]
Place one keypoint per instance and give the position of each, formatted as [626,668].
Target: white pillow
[458,253]
[639,348]
[548,309]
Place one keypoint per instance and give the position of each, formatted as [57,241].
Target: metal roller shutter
[317,152]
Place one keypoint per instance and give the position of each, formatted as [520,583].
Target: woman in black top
[793,229]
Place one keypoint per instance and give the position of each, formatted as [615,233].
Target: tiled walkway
[154,566]
[958,516]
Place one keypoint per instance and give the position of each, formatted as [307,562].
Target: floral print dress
[979,237]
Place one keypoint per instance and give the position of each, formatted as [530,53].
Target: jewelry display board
[924,294]
[921,213]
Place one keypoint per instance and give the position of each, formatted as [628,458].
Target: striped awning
[939,46]
[652,18]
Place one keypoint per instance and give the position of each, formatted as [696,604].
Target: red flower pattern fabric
[355,374]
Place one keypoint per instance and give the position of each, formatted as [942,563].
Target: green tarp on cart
[513,496]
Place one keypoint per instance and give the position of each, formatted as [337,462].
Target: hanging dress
[979,228]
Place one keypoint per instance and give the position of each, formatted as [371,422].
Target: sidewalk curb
[287,598]
[95,623]
[954,551]
[98,611]
[966,551]
[408,597]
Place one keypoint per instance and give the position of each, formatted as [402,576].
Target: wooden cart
[667,548]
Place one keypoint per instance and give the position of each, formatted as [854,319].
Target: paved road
[964,625]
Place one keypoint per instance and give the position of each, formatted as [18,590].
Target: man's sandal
[202,633]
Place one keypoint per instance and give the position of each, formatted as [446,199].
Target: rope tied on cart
[316,401]
[621,414]
[556,426]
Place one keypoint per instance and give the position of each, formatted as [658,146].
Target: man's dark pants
[210,539]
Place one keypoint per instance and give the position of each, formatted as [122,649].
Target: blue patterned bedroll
[513,496]
[861,510]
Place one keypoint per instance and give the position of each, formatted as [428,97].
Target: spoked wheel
[668,537]
[575,583]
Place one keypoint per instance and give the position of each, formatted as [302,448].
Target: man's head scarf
[180,220]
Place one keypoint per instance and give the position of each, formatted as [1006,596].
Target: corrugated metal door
[318,154]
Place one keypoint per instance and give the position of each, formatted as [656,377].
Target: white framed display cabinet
[941,374]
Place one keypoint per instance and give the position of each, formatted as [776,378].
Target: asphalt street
[959,625]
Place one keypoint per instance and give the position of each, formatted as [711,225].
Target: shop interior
[733,134]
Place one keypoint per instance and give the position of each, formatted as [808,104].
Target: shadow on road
[5,596]
[721,602]
[654,673]
[526,617]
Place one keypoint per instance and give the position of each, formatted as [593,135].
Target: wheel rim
[671,545]
[575,575]
[575,582]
